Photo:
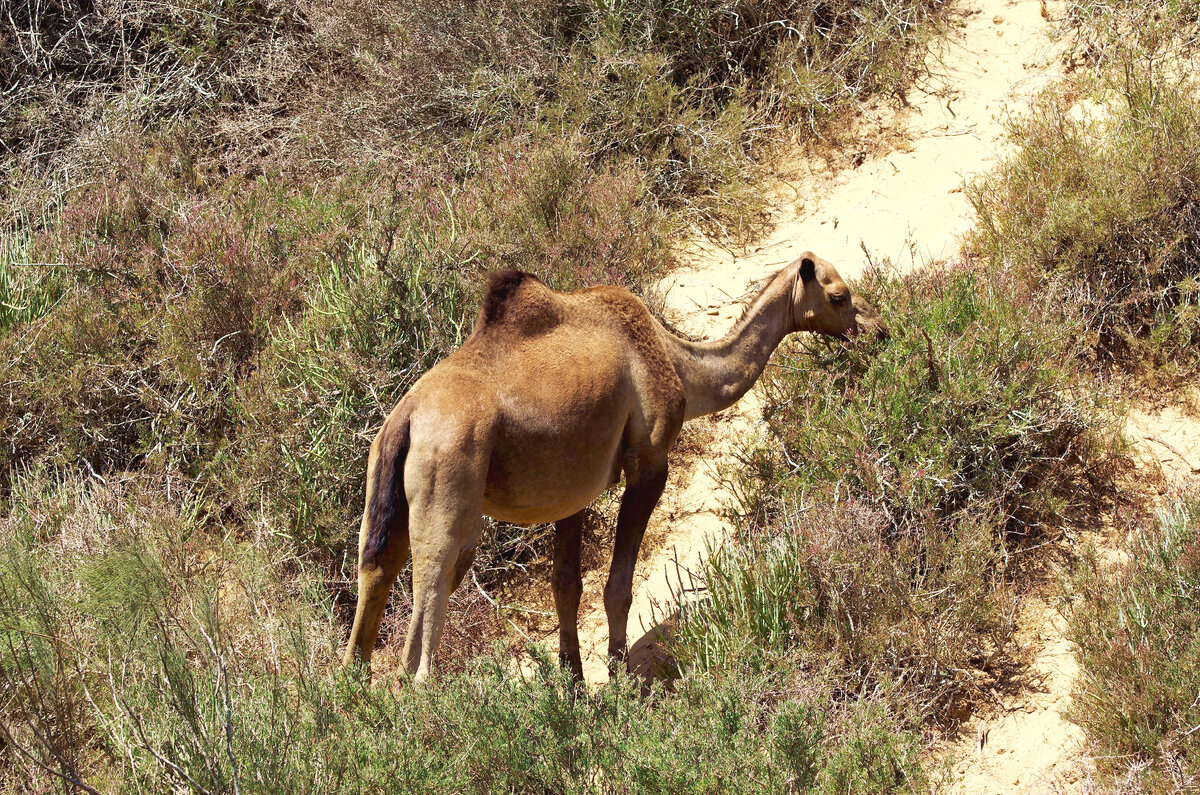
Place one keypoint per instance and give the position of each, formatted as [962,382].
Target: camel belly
[533,483]
[535,514]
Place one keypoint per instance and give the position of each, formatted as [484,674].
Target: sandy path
[1022,743]
[904,203]
[1167,437]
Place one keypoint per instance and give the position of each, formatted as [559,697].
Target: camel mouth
[874,326]
[874,331]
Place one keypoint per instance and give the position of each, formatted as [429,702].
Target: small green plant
[1136,621]
[28,290]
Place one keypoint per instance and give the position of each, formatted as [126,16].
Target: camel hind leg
[445,510]
[439,565]
[375,579]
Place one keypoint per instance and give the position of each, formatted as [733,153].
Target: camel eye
[838,300]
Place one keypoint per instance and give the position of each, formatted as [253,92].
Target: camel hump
[518,300]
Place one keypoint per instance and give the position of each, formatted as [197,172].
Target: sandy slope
[908,197]
[1022,743]
[895,190]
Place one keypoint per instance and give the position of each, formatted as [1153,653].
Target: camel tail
[387,504]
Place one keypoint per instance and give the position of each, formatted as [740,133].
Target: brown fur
[549,400]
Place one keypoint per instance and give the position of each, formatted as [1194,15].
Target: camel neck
[717,373]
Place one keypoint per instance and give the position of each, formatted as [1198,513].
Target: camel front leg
[567,585]
[641,495]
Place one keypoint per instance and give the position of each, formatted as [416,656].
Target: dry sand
[1166,437]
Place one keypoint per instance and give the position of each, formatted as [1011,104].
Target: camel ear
[808,270]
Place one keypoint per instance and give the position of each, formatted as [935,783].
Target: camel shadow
[651,658]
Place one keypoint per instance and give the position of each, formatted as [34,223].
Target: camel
[552,397]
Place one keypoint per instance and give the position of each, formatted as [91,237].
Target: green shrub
[1107,32]
[888,512]
[167,300]
[1103,196]
[28,290]
[1136,621]
[324,382]
[545,210]
[136,657]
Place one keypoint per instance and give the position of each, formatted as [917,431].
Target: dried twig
[1174,450]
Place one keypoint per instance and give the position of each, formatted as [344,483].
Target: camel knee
[566,585]
[465,560]
[371,575]
[618,597]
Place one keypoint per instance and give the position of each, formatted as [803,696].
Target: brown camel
[549,400]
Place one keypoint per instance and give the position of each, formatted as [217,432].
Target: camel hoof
[618,661]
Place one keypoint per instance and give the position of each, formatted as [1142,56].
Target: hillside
[959,560]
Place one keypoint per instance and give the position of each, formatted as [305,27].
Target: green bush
[886,517]
[137,658]
[28,290]
[324,381]
[1106,32]
[1136,622]
[166,300]
[1103,197]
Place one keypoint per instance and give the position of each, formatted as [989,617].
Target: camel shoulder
[644,334]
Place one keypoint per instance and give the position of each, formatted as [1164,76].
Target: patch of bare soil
[1021,742]
[1167,437]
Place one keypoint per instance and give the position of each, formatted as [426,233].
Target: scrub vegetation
[891,512]
[1137,625]
[1102,201]
[1103,196]
[236,233]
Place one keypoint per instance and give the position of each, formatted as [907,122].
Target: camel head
[823,303]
